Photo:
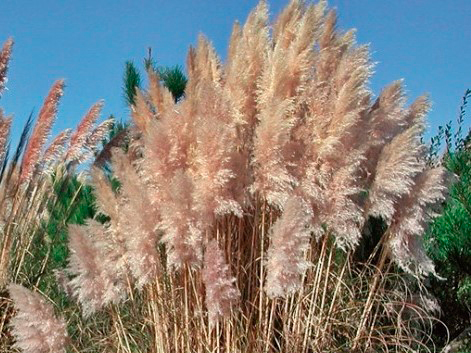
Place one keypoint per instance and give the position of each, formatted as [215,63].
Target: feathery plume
[249,44]
[137,219]
[400,161]
[385,119]
[332,134]
[191,61]
[109,203]
[167,148]
[273,180]
[141,113]
[106,198]
[330,50]
[288,16]
[98,134]
[213,158]
[209,64]
[82,132]
[93,140]
[96,266]
[234,42]
[221,293]
[41,131]
[417,111]
[412,214]
[118,140]
[387,116]
[159,95]
[204,65]
[35,327]
[55,149]
[5,126]
[85,264]
[182,233]
[287,73]
[290,237]
[340,211]
[5,55]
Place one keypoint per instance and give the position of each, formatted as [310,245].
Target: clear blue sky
[428,43]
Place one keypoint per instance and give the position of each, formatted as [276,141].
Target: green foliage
[448,240]
[174,79]
[73,203]
[453,142]
[464,291]
[460,142]
[171,77]
[449,245]
[132,81]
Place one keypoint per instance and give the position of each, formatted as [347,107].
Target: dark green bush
[448,240]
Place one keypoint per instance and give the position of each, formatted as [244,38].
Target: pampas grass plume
[81,134]
[5,55]
[5,125]
[41,131]
[94,264]
[35,327]
[221,293]
[286,256]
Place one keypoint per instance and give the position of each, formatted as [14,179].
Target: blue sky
[428,43]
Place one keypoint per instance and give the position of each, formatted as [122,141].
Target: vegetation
[250,213]
[172,78]
[27,191]
[132,80]
[448,240]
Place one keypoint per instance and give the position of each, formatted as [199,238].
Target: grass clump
[276,207]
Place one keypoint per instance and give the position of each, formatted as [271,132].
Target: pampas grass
[41,131]
[239,216]
[5,55]
[35,326]
[240,208]
[28,179]
[221,294]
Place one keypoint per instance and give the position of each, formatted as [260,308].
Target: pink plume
[41,131]
[35,327]
[221,293]
[78,140]
[290,237]
[5,55]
